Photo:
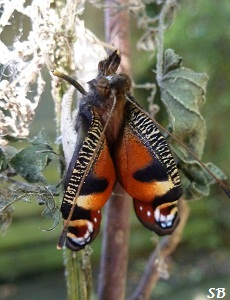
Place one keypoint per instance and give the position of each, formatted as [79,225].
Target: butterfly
[117,141]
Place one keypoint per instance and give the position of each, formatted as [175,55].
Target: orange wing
[97,187]
[147,171]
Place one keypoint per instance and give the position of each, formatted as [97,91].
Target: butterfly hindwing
[147,171]
[95,162]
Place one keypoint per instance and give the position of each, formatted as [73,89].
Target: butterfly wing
[96,163]
[147,171]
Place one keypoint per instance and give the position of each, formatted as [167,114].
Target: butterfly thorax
[111,100]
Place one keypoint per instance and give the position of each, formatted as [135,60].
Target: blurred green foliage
[200,35]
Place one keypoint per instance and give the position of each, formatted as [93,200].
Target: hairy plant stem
[168,9]
[78,275]
[77,264]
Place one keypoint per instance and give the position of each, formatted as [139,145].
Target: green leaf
[183,94]
[41,139]
[31,161]
[5,219]
[171,61]
[51,210]
[216,171]
[44,196]
[196,180]
[6,153]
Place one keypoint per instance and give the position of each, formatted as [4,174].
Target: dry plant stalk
[114,256]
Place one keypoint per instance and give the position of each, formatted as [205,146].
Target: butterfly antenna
[70,80]
[220,182]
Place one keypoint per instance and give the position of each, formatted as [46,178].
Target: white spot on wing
[157,214]
[87,236]
[149,213]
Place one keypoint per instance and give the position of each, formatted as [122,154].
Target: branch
[165,248]
[114,257]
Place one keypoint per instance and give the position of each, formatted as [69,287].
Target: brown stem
[165,247]
[114,257]
[117,31]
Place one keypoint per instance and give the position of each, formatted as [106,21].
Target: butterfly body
[117,141]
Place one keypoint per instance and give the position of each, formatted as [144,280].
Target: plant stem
[114,257]
[77,264]
[168,10]
[78,275]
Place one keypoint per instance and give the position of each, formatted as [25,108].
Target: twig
[114,257]
[169,5]
[165,248]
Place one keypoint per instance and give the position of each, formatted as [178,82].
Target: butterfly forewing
[147,171]
[98,169]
